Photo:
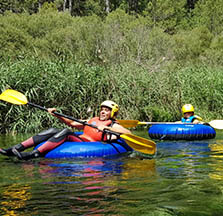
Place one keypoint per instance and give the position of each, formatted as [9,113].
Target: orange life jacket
[92,134]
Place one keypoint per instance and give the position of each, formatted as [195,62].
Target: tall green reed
[146,95]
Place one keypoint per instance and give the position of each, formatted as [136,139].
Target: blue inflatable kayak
[181,132]
[88,149]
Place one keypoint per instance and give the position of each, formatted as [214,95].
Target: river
[183,178]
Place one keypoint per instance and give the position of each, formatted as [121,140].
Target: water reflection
[183,159]
[98,182]
[185,178]
[217,148]
[217,165]
[14,197]
[183,148]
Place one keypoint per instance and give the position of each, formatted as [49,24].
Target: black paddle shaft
[62,115]
[71,118]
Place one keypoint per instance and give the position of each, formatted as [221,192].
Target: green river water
[184,178]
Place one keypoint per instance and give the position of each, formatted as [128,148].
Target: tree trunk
[64,5]
[70,6]
[107,7]
[39,5]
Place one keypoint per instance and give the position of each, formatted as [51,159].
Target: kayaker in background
[188,115]
[55,137]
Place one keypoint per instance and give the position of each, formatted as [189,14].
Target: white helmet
[112,105]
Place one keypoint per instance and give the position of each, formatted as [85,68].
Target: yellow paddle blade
[140,144]
[143,123]
[217,124]
[128,123]
[13,97]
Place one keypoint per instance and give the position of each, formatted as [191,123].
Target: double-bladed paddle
[137,143]
[216,124]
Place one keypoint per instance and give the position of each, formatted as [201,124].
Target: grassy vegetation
[74,63]
[141,94]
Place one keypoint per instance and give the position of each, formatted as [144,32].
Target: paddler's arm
[68,122]
[198,120]
[115,128]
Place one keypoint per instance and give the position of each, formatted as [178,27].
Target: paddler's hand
[51,111]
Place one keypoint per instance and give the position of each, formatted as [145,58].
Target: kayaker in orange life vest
[55,137]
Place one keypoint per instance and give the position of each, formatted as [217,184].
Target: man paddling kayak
[55,137]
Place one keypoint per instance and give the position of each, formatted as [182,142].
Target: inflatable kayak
[88,149]
[181,132]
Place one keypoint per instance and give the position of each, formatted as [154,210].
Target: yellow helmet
[187,108]
[112,105]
